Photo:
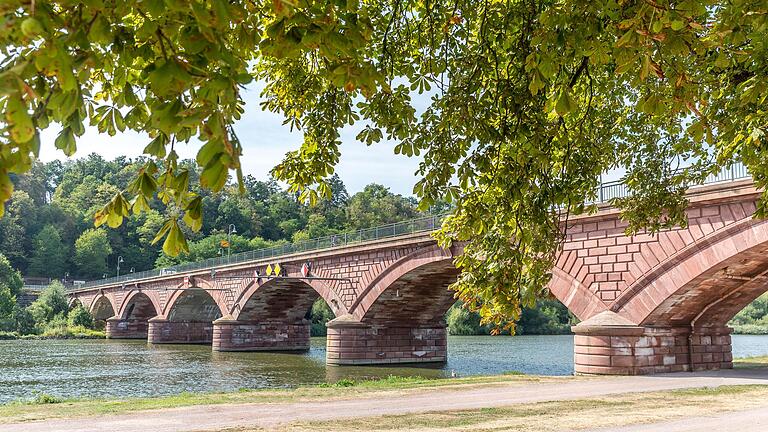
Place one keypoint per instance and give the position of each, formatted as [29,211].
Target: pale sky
[265,140]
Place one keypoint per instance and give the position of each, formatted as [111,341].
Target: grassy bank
[75,332]
[41,407]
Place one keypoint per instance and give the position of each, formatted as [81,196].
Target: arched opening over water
[420,296]
[287,301]
[134,319]
[189,319]
[101,310]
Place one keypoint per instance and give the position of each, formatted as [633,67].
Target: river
[113,368]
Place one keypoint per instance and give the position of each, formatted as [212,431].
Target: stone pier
[185,332]
[621,348]
[233,335]
[355,343]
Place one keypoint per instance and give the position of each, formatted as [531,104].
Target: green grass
[750,362]
[76,332]
[41,408]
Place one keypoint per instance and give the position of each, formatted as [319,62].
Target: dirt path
[214,417]
[747,420]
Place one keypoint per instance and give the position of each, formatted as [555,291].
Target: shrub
[320,315]
[51,303]
[23,321]
[79,316]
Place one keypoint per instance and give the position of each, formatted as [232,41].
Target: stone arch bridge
[647,304]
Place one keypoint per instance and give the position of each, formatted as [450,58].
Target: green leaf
[565,102]
[20,122]
[65,141]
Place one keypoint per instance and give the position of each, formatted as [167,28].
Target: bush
[51,303]
[462,322]
[79,316]
[23,321]
[320,315]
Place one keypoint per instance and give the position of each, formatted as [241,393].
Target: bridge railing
[606,192]
[423,224]
[617,189]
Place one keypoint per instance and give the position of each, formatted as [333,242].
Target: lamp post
[231,230]
[119,261]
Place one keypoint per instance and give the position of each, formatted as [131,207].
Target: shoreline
[516,402]
[344,386]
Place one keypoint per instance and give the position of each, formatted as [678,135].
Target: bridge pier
[622,348]
[233,335]
[117,328]
[352,342]
[163,331]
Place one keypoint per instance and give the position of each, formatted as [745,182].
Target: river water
[112,368]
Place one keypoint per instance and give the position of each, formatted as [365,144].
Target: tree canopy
[529,102]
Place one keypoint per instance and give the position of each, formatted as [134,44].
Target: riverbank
[77,332]
[503,402]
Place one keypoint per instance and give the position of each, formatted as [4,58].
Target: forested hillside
[48,229]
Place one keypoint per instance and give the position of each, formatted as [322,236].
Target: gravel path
[213,417]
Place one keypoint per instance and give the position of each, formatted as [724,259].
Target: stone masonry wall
[640,351]
[127,329]
[180,332]
[264,336]
[355,345]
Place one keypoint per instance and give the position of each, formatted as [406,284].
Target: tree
[376,205]
[10,277]
[529,102]
[91,251]
[79,316]
[49,257]
[51,303]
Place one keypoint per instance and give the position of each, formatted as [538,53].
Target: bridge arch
[188,317]
[285,298]
[574,295]
[705,283]
[132,320]
[102,308]
[74,302]
[416,285]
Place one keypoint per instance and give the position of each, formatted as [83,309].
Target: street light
[230,231]
[119,260]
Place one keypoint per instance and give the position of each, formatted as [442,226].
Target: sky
[265,140]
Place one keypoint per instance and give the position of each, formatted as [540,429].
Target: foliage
[50,305]
[23,321]
[79,317]
[49,257]
[9,276]
[547,317]
[529,102]
[753,319]
[91,251]
[320,314]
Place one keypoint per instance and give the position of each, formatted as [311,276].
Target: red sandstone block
[598,251]
[625,257]
[623,361]
[603,259]
[610,241]
[601,341]
[592,360]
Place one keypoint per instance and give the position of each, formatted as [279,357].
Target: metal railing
[617,189]
[423,224]
[606,192]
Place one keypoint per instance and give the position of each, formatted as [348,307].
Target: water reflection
[114,368]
